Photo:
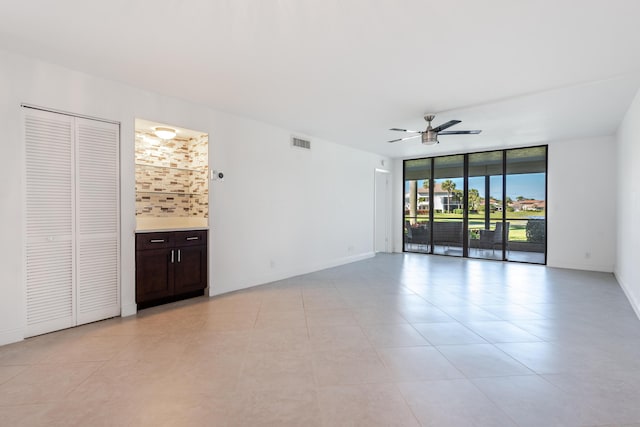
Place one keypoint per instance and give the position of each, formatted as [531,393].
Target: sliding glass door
[448,205]
[489,205]
[485,205]
[417,205]
[526,209]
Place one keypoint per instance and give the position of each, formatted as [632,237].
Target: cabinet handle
[157,240]
[178,255]
[172,253]
[193,238]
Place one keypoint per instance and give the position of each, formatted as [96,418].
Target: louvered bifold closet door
[98,288]
[49,222]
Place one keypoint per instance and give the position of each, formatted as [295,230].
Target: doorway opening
[382,213]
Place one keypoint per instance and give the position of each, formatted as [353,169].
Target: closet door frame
[75,239]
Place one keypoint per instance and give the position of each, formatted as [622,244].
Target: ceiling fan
[430,135]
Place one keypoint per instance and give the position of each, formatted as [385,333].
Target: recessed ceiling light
[164,132]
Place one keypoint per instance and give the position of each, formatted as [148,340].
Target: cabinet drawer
[190,238]
[154,240]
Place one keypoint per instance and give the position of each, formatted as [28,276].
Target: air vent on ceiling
[300,143]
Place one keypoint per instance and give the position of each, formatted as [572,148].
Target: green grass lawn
[517,221]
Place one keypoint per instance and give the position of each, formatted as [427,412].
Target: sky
[530,186]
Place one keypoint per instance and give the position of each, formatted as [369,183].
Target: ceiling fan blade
[446,125]
[402,139]
[460,132]
[405,130]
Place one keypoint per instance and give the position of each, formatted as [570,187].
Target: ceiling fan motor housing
[429,137]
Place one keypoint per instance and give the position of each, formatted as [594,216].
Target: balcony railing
[526,235]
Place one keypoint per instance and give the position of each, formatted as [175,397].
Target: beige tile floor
[402,340]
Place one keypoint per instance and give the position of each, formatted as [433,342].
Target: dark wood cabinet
[170,266]
[154,274]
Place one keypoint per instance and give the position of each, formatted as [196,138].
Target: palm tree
[413,201]
[458,196]
[425,184]
[448,186]
[474,197]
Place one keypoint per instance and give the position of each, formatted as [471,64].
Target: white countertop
[154,224]
[166,230]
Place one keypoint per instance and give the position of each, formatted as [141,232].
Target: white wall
[581,219]
[397,198]
[282,211]
[580,173]
[628,204]
[315,209]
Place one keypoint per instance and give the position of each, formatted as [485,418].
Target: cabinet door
[191,269]
[154,274]
[98,285]
[50,180]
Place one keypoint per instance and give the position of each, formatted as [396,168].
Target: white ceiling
[147,126]
[347,70]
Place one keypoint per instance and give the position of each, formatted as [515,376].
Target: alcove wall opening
[172,185]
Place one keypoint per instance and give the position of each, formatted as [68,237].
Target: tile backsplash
[171,176]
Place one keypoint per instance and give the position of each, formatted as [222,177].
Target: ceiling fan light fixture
[430,135]
[164,132]
[429,138]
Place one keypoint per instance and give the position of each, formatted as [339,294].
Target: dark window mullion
[432,187]
[487,202]
[404,183]
[465,210]
[504,204]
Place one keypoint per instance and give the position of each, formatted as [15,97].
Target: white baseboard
[340,261]
[635,304]
[11,336]
[128,310]
[583,267]
[268,278]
